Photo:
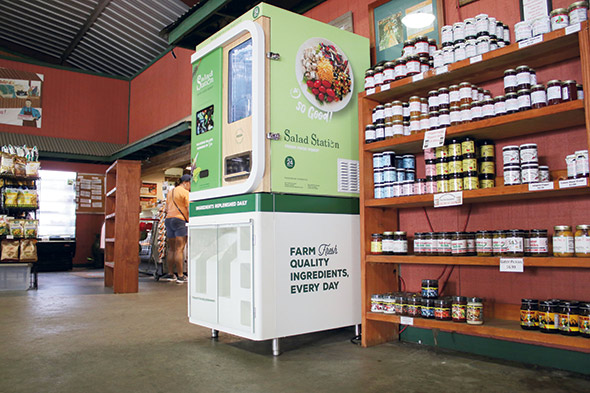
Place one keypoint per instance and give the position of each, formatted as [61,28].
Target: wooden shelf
[495,328]
[109,216]
[555,262]
[496,194]
[112,192]
[555,47]
[564,115]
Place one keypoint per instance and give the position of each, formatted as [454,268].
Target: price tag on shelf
[530,41]
[434,138]
[9,237]
[406,320]
[571,29]
[512,265]
[475,59]
[442,70]
[45,238]
[548,185]
[385,87]
[448,199]
[573,183]
[418,77]
[370,91]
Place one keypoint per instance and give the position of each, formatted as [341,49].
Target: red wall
[77,105]
[161,95]
[87,225]
[486,282]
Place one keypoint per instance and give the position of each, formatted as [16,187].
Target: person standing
[176,230]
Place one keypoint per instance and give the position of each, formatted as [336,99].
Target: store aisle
[73,336]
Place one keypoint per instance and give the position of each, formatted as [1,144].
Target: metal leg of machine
[276,348]
[357,330]
[214,333]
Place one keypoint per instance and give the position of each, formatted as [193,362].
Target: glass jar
[498,243]
[376,243]
[549,316]
[454,96]
[431,46]
[559,19]
[400,69]
[455,165]
[563,241]
[455,115]
[442,309]
[442,166]
[483,243]
[529,173]
[469,162]
[541,25]
[499,106]
[486,149]
[444,118]
[431,185]
[580,89]
[378,76]
[400,243]
[443,98]
[409,49]
[487,180]
[554,92]
[444,244]
[459,309]
[470,236]
[470,180]
[387,243]
[420,187]
[514,243]
[523,78]
[370,136]
[487,109]
[414,306]
[412,65]
[538,243]
[569,324]
[418,243]
[415,106]
[511,103]
[487,165]
[459,244]
[529,153]
[376,303]
[466,113]
[455,182]
[510,80]
[428,244]
[524,99]
[474,312]
[429,289]
[421,46]
[369,79]
[529,314]
[544,175]
[511,155]
[522,31]
[569,90]
[584,319]
[427,310]
[577,12]
[468,146]
[512,174]
[465,93]
[538,96]
[506,34]
[388,72]
[476,110]
[582,169]
[388,304]
[398,305]
[433,100]
[582,240]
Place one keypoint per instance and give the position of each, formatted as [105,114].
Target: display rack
[121,265]
[380,272]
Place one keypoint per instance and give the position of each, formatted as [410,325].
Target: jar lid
[369,126]
[511,167]
[523,91]
[475,300]
[421,180]
[429,282]
[510,147]
[481,16]
[376,234]
[431,178]
[530,301]
[483,232]
[511,95]
[528,146]
[415,300]
[421,38]
[582,226]
[529,166]
[522,68]
[562,228]
[379,68]
[485,142]
[432,41]
[553,81]
[538,231]
[444,111]
[388,64]
[499,98]
[465,106]
[470,174]
[458,24]
[443,90]
[414,98]
[408,156]
[369,72]
[487,176]
[469,20]
[459,299]
[538,86]
[388,233]
[577,4]
[509,71]
[453,87]
[433,92]
[400,232]
[569,81]
[572,303]
[558,11]
[396,103]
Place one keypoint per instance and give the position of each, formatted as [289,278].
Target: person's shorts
[175,227]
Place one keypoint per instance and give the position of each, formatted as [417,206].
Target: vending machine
[274,246]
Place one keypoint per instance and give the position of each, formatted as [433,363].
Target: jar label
[569,323]
[510,81]
[530,175]
[468,147]
[554,93]
[380,132]
[582,244]
[389,74]
[563,244]
[499,108]
[469,165]
[413,66]
[524,101]
[511,157]
[466,115]
[459,312]
[559,22]
[584,324]
[369,135]
[470,183]
[486,151]
[379,78]
[398,129]
[444,245]
[565,95]
[369,82]
[488,110]
[538,97]
[581,165]
[388,131]
[454,96]
[483,245]
[465,92]
[474,313]
[538,245]
[514,244]
[376,248]
[455,116]
[447,35]
[422,47]
[400,71]
[523,78]
[529,318]
[578,15]
[459,246]
[512,104]
[433,101]
[529,155]
[442,313]
[387,245]
[400,246]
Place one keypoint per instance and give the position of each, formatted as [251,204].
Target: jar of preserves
[538,96]
[446,33]
[563,241]
[468,146]
[378,75]
[388,130]
[370,136]
[544,175]
[569,91]
[415,106]
[580,89]
[421,46]
[498,243]
[529,314]
[465,93]
[470,181]
[454,148]
[442,166]
[418,243]
[444,244]
[469,162]
[559,19]
[569,318]
[499,105]
[444,118]
[466,113]
[412,65]
[506,34]
[409,48]
[487,109]
[459,244]
[538,243]
[577,12]
[454,96]
[376,243]
[582,240]
[420,187]
[459,309]
[369,79]
[511,102]
[487,180]
[483,243]
[438,59]
[398,304]
[510,80]
[378,191]
[406,303]
[376,303]
[380,132]
[512,174]
[581,163]
[470,236]
[423,105]
[431,46]
[387,243]
[514,243]
[429,289]
[524,100]
[486,149]
[483,45]
[480,95]
[442,309]
[433,120]
[414,306]
[433,100]
[459,50]
[529,153]
[500,32]
[511,155]
[482,25]
[443,98]
[474,312]
[455,165]
[388,72]
[533,74]
[427,310]
[400,243]
[541,25]
[523,78]
[424,122]
[455,115]
[584,319]
[529,173]
[414,124]
[427,243]
[400,69]
[455,182]
[549,316]
[554,92]
[431,185]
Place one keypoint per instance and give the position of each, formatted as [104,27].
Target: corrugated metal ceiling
[115,37]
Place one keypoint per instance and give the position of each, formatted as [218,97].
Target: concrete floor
[72,335]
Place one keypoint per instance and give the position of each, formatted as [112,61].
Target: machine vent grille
[348,176]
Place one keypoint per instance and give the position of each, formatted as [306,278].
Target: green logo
[256,12]
[289,162]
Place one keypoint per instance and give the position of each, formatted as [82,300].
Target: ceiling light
[418,20]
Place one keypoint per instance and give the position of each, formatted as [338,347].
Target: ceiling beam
[27,53]
[170,159]
[102,4]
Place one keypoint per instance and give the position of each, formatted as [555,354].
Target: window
[240,81]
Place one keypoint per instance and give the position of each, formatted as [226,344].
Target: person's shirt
[181,197]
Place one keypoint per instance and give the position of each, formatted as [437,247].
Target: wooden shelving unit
[380,273]
[122,226]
